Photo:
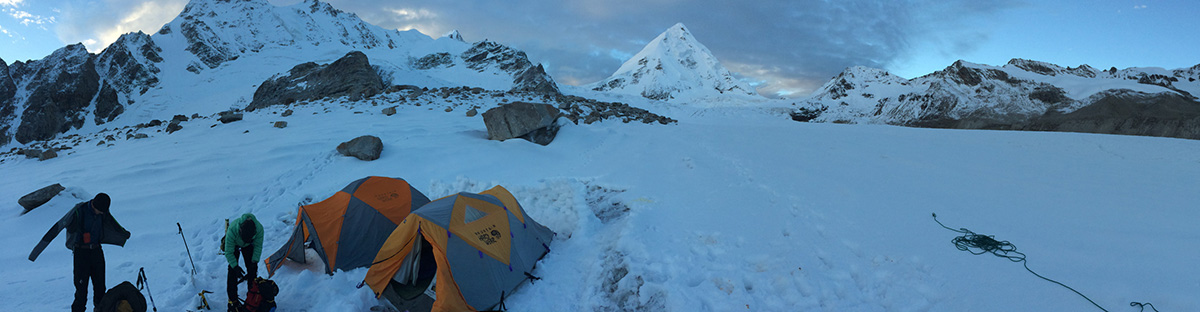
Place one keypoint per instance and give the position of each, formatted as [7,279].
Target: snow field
[725,211]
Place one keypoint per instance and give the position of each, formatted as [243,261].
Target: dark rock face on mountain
[433,60]
[61,88]
[351,75]
[65,83]
[486,54]
[129,63]
[107,107]
[8,92]
[535,80]
[1128,112]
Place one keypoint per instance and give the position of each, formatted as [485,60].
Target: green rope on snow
[971,241]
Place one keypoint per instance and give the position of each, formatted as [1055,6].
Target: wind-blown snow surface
[732,210]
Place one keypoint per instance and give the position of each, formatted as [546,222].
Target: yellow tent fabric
[482,249]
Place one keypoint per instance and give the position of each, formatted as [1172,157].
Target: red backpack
[260,295]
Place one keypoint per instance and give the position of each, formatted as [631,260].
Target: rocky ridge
[1022,95]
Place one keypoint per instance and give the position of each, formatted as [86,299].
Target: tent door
[417,275]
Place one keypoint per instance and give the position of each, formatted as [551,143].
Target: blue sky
[786,47]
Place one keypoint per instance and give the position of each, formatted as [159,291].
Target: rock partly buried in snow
[228,117]
[520,118]
[367,147]
[389,111]
[351,75]
[280,124]
[174,126]
[39,197]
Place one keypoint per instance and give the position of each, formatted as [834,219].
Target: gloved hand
[238,273]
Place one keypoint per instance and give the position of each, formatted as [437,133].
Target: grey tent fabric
[357,221]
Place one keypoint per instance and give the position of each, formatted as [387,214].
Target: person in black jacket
[88,225]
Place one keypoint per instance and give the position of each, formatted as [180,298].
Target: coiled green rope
[978,244]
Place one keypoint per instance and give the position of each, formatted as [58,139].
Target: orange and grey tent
[463,252]
[348,228]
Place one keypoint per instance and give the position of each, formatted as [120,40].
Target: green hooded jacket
[233,239]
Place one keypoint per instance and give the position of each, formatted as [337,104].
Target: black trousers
[89,264]
[251,270]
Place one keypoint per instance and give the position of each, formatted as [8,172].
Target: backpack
[123,297]
[260,295]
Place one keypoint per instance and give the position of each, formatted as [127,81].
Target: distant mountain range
[1022,95]
[216,55]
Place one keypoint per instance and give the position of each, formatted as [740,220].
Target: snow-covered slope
[738,212]
[675,67]
[1014,93]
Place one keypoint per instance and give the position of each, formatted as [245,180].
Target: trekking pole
[144,283]
[185,247]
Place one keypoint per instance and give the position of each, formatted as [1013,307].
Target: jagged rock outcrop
[674,65]
[1049,69]
[107,105]
[486,54]
[433,60]
[63,85]
[535,80]
[8,93]
[351,75]
[129,64]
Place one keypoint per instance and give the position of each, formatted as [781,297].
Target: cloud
[97,31]
[1139,7]
[11,3]
[27,18]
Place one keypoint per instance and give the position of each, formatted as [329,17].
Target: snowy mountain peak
[674,66]
[454,35]
[1049,69]
[853,78]
[218,31]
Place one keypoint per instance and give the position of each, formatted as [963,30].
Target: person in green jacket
[88,225]
[244,238]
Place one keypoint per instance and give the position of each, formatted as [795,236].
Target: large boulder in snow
[367,147]
[521,118]
[39,197]
[351,75]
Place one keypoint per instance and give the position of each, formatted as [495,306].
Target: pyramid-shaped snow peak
[674,66]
